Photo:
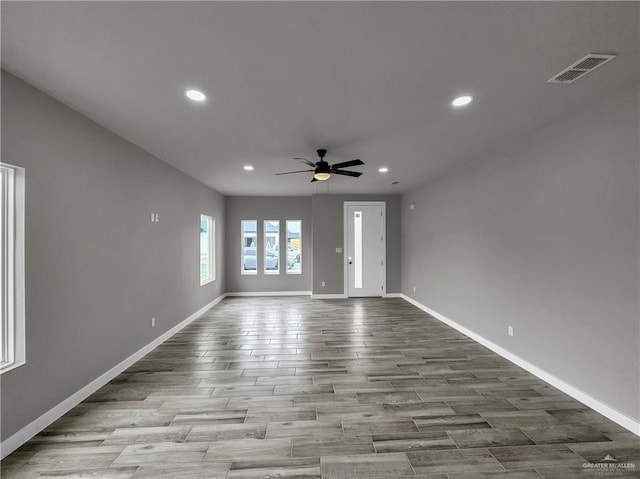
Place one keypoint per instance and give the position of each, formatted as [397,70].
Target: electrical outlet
[324,284]
[153,322]
[510,330]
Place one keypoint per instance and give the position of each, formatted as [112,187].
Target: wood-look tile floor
[341,389]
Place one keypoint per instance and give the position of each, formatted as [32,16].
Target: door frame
[345,243]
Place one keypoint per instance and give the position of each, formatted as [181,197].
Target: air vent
[581,68]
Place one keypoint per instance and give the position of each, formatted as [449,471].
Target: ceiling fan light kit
[322,170]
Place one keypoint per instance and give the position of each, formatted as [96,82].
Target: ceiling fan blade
[314,179]
[347,164]
[304,160]
[347,173]
[290,172]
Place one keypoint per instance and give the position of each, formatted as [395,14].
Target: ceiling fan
[323,170]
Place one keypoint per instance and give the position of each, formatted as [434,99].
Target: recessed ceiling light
[248,168]
[462,100]
[195,95]
[383,169]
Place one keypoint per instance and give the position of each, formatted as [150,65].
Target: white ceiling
[369,80]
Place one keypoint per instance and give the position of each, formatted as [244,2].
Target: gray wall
[328,234]
[542,235]
[262,208]
[97,269]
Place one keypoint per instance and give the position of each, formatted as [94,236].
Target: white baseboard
[23,435]
[344,296]
[576,393]
[328,296]
[269,293]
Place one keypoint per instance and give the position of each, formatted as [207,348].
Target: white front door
[365,248]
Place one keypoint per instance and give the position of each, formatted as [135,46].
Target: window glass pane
[6,255]
[212,249]
[249,247]
[207,233]
[294,246]
[12,322]
[271,246]
[357,248]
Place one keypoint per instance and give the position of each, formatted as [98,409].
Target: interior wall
[262,208]
[328,234]
[542,235]
[97,269]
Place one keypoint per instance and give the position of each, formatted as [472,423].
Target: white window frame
[242,238]
[211,222]
[266,235]
[12,272]
[286,232]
